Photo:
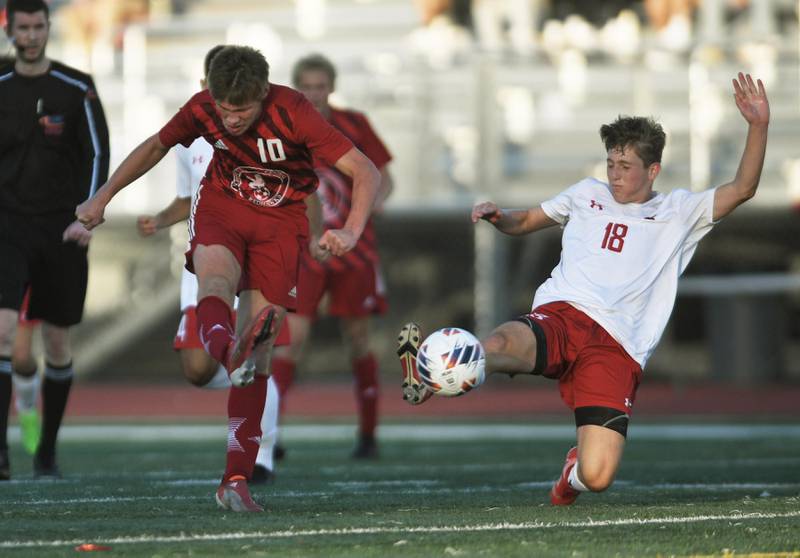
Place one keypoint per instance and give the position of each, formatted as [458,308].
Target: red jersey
[336,188]
[271,164]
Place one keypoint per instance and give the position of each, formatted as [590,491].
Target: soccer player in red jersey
[248,227]
[353,281]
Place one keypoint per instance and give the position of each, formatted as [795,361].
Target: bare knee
[198,368]
[596,475]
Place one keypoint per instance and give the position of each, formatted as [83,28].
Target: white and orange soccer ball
[451,362]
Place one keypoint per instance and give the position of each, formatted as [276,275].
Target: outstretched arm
[140,160]
[751,100]
[366,180]
[512,221]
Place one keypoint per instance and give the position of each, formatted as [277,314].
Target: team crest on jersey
[262,187]
[52,124]
[597,205]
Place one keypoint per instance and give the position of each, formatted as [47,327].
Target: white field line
[420,432]
[378,488]
[526,526]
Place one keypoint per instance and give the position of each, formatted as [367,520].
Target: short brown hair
[212,52]
[644,135]
[313,62]
[238,75]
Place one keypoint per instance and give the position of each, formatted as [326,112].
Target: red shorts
[188,336]
[268,246]
[23,319]
[592,369]
[354,292]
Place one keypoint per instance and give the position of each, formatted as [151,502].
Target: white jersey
[620,263]
[192,164]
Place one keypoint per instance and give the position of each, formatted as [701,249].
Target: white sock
[25,391]
[220,380]
[575,482]
[269,426]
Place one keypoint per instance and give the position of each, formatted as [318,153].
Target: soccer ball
[451,362]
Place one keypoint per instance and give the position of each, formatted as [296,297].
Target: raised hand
[751,100]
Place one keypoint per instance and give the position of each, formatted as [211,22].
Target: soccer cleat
[261,475]
[45,468]
[234,495]
[562,494]
[243,353]
[408,342]
[30,429]
[5,466]
[278,452]
[367,448]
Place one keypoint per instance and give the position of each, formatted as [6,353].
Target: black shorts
[32,253]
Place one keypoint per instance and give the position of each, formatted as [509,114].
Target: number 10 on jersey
[271,150]
[614,238]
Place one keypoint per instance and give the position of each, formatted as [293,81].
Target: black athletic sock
[5,400]
[55,392]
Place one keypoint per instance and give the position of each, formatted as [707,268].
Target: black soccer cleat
[261,475]
[45,468]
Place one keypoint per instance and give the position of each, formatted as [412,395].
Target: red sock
[245,407]
[365,370]
[212,312]
[283,376]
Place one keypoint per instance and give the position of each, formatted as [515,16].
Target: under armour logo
[597,205]
[197,160]
[538,316]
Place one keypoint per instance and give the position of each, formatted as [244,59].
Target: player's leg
[197,366]
[601,388]
[14,276]
[246,404]
[591,465]
[263,471]
[58,375]
[356,295]
[8,326]
[26,384]
[311,286]
[58,290]
[218,271]
[285,358]
[365,372]
[510,349]
[283,366]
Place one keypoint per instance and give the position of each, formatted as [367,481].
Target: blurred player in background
[197,365]
[353,281]
[599,316]
[53,155]
[248,228]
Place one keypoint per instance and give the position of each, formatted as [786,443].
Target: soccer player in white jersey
[600,315]
[197,365]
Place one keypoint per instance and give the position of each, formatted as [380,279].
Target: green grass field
[436,491]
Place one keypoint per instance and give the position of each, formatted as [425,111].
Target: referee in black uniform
[53,155]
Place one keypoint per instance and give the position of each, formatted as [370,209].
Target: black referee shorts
[32,253]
